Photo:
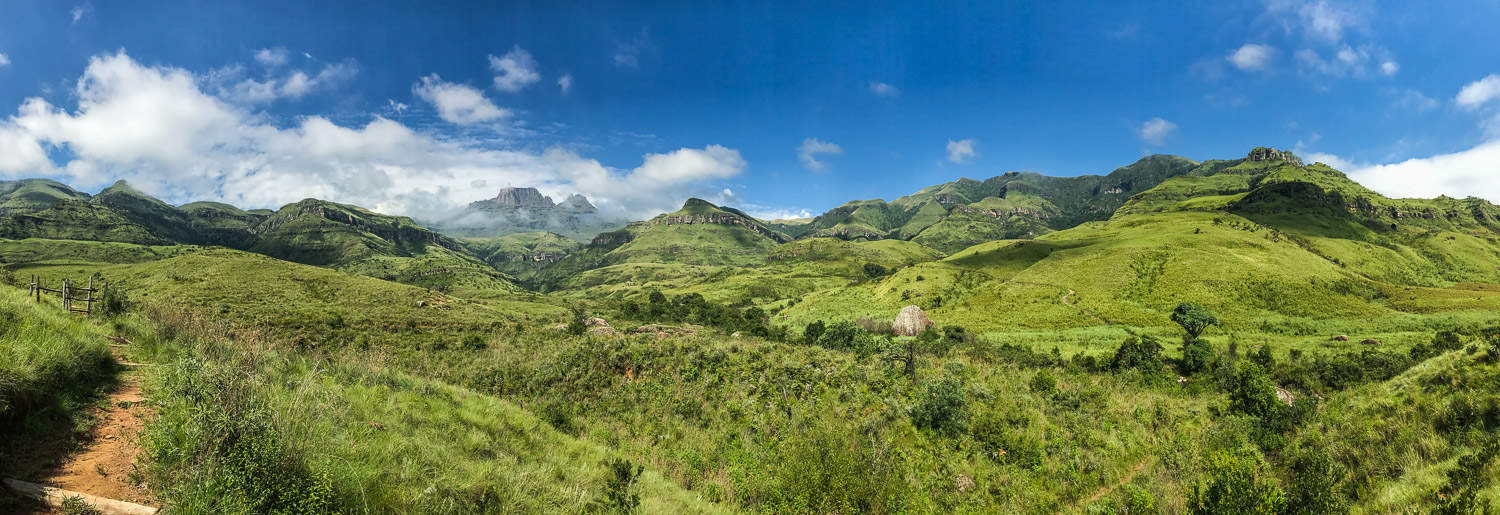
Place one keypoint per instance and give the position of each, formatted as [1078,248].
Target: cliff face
[516,198]
[720,219]
[1271,154]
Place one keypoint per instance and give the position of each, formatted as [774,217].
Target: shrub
[1315,480]
[619,494]
[1193,318]
[1197,356]
[813,331]
[1252,392]
[1043,383]
[1137,352]
[847,336]
[942,407]
[1465,481]
[1262,356]
[578,322]
[873,270]
[1235,487]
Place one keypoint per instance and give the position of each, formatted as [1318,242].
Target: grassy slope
[245,428]
[31,195]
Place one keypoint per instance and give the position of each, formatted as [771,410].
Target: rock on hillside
[911,322]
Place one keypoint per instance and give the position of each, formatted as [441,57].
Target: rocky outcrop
[1271,154]
[720,219]
[516,198]
[911,322]
[577,204]
[1002,214]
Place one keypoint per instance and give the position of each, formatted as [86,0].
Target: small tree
[578,323]
[813,332]
[1193,318]
[874,270]
[1196,356]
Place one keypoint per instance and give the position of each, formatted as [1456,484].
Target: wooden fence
[69,294]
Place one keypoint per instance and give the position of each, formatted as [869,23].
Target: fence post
[88,306]
[67,305]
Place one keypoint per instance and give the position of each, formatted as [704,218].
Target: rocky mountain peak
[1271,154]
[576,203]
[514,198]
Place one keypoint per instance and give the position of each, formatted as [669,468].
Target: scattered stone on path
[911,322]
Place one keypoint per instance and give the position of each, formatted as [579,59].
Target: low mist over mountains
[516,210]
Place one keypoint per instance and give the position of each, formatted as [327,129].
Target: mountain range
[1315,208]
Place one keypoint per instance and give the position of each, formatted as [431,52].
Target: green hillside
[32,195]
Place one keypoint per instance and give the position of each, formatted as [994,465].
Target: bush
[1137,352]
[873,270]
[1197,356]
[1235,487]
[942,407]
[1262,356]
[113,301]
[813,331]
[1043,383]
[619,494]
[1315,480]
[847,336]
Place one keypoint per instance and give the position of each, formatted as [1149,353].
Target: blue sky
[778,108]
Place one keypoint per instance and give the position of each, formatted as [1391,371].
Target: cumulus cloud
[1472,172]
[232,83]
[809,150]
[4,60]
[961,151]
[565,82]
[1251,57]
[515,70]
[160,129]
[1389,68]
[271,57]
[457,103]
[882,89]
[1154,132]
[1478,93]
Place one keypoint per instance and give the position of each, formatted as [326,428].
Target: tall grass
[245,428]
[52,366]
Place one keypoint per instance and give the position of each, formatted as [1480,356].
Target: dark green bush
[847,336]
[1197,356]
[942,407]
[813,331]
[1137,352]
[873,270]
[1315,480]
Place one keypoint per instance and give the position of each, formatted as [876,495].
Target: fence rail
[69,294]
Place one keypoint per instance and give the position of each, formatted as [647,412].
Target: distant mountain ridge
[522,210]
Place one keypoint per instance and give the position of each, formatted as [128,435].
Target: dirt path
[1135,471]
[1064,300]
[104,466]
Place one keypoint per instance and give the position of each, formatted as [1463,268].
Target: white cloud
[1472,172]
[1338,163]
[1479,92]
[514,70]
[1251,57]
[809,150]
[777,213]
[231,84]
[565,82]
[1389,68]
[81,10]
[1316,19]
[961,151]
[884,90]
[4,60]
[271,57]
[394,107]
[157,127]
[1154,132]
[457,103]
